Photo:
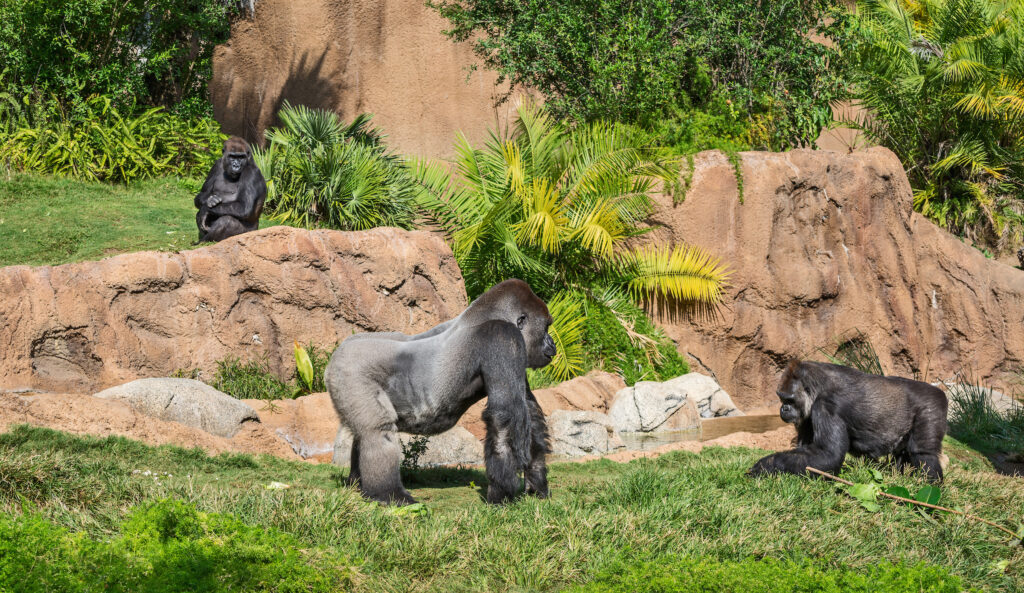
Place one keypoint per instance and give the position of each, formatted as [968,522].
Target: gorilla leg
[508,442]
[376,450]
[353,465]
[537,470]
[925,444]
[222,228]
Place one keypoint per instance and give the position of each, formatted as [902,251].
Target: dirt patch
[84,414]
[779,439]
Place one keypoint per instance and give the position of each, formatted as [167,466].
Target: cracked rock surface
[822,245]
[91,325]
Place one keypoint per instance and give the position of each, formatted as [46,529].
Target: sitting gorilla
[231,199]
[839,410]
[382,383]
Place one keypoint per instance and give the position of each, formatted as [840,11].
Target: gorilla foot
[398,499]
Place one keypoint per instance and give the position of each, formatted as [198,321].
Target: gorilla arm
[216,172]
[247,203]
[826,451]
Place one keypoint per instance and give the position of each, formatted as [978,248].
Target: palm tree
[943,85]
[559,208]
[325,173]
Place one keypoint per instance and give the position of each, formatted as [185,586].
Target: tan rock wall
[826,243]
[85,326]
[386,57]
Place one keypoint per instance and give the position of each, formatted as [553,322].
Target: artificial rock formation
[185,401]
[90,325]
[825,244]
[677,404]
[386,57]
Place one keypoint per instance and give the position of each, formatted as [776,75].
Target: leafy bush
[630,346]
[652,60]
[154,52]
[324,173]
[253,379]
[557,207]
[943,85]
[105,142]
[163,547]
[756,575]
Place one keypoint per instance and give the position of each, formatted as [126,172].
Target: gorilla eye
[521,321]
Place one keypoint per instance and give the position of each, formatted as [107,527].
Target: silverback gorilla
[382,383]
[231,199]
[838,410]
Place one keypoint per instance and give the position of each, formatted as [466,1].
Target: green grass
[976,421]
[601,515]
[52,221]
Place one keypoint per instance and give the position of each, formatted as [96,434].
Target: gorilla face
[234,163]
[540,348]
[796,402]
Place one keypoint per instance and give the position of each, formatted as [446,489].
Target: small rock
[575,433]
[452,447]
[185,401]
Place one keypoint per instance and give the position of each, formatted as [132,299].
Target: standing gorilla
[231,199]
[838,410]
[382,383]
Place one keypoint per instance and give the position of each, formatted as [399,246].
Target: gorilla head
[514,301]
[237,155]
[795,394]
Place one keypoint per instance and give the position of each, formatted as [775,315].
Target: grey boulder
[676,404]
[576,433]
[453,447]
[185,401]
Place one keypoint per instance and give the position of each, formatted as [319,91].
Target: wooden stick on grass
[917,502]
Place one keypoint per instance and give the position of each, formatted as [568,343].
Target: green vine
[737,167]
[687,181]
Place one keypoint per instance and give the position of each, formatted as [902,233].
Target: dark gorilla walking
[382,383]
[839,410]
[231,199]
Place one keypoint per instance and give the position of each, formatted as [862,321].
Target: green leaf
[871,506]
[864,492]
[304,365]
[875,474]
[928,494]
[411,510]
[897,491]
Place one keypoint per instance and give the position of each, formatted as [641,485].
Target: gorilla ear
[521,321]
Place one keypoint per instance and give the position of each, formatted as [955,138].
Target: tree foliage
[645,61]
[943,85]
[154,52]
[557,207]
[322,172]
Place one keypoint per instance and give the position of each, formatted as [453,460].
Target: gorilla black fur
[382,383]
[839,410]
[231,199]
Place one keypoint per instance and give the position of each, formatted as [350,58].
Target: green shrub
[630,345]
[105,142]
[767,575]
[253,379]
[153,52]
[942,82]
[166,546]
[323,173]
[557,207]
[651,60]
[974,420]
